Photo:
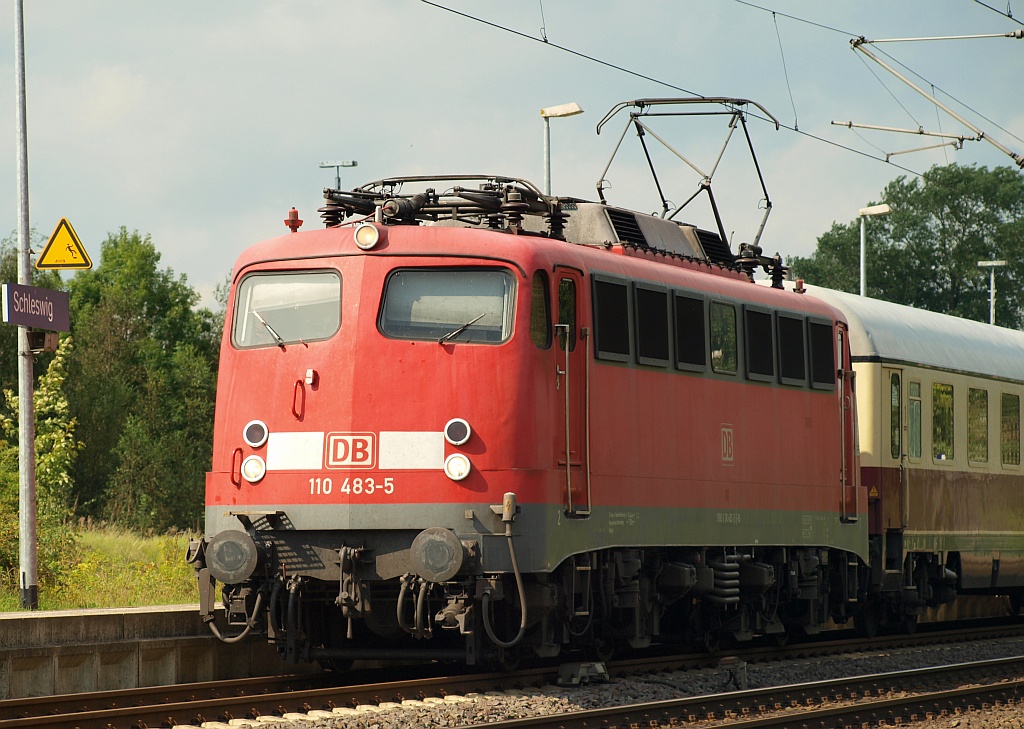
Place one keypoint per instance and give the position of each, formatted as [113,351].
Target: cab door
[571,385]
[850,469]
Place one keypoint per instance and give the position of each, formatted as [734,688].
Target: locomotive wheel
[335,665]
[779,639]
[867,619]
[1016,599]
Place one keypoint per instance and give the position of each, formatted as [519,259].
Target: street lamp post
[882,209]
[991,266]
[337,169]
[571,109]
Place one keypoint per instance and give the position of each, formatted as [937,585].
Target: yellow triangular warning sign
[873,493]
[64,250]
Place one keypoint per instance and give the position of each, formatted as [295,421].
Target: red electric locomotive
[477,419]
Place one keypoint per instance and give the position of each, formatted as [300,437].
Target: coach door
[571,379]
[893,479]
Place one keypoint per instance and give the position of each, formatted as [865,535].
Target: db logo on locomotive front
[350,450]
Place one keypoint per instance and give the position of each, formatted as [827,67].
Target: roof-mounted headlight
[367,236]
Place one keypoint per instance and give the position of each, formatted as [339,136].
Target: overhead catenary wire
[660,82]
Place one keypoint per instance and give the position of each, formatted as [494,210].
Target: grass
[117,568]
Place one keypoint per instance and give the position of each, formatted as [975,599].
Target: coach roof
[888,332]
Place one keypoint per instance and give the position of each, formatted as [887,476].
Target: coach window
[691,343]
[567,313]
[611,320]
[760,347]
[792,352]
[823,354]
[942,422]
[914,416]
[1010,429]
[448,305]
[977,425]
[275,309]
[651,322]
[540,315]
[723,338]
[895,401]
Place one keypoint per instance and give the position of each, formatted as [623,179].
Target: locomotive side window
[448,305]
[691,345]
[567,313]
[611,320]
[895,402]
[274,309]
[724,353]
[1010,429]
[760,345]
[651,321]
[942,422]
[914,416]
[977,425]
[792,353]
[540,315]
[823,355]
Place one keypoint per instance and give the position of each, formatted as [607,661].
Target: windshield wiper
[275,335]
[456,332]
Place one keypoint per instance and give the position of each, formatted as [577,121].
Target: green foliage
[925,254]
[144,388]
[56,450]
[117,568]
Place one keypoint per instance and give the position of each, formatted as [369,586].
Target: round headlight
[254,469]
[367,236]
[457,466]
[255,433]
[457,431]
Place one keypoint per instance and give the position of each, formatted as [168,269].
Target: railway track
[292,696]
[884,699]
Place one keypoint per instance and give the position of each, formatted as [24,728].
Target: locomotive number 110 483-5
[324,486]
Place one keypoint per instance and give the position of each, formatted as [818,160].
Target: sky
[201,124]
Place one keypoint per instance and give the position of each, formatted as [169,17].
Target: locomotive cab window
[724,347]
[540,314]
[448,305]
[651,321]
[567,314]
[274,309]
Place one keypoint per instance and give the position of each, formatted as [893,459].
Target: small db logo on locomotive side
[351,450]
[727,443]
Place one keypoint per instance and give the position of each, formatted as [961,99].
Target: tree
[56,450]
[143,389]
[925,254]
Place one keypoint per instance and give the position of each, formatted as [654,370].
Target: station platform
[43,653]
